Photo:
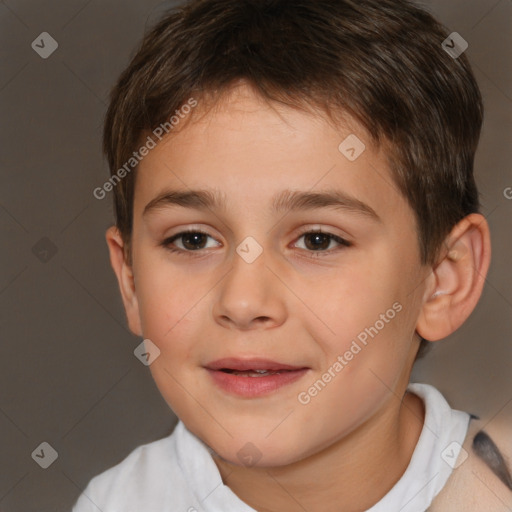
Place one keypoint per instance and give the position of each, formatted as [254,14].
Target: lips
[252,378]
[231,365]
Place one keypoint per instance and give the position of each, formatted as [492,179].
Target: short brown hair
[380,61]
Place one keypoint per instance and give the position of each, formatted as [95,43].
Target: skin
[347,447]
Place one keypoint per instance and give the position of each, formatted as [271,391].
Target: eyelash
[314,254]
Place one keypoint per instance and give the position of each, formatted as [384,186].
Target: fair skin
[348,446]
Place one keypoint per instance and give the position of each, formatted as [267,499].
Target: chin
[257,454]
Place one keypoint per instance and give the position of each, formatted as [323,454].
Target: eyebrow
[287,200]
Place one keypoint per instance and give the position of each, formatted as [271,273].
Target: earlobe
[459,279]
[125,278]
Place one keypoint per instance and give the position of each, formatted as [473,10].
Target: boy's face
[302,302]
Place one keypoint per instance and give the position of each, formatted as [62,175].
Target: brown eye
[190,241]
[193,241]
[319,242]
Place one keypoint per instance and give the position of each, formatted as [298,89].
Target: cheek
[170,304]
[367,319]
[355,300]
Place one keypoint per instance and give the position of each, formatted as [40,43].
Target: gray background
[68,375]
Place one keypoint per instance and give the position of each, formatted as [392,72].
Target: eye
[191,240]
[318,242]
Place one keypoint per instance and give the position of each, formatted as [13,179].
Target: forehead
[248,151]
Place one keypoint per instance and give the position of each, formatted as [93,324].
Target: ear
[125,278]
[456,282]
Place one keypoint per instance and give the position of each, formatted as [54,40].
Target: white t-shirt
[178,474]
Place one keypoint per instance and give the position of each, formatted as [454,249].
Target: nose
[250,296]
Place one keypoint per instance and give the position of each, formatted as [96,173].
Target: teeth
[252,373]
[255,373]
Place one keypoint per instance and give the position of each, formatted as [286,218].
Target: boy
[296,215]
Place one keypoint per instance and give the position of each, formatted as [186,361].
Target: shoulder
[139,463]
[481,480]
[135,480]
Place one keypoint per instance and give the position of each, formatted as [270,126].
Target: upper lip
[231,363]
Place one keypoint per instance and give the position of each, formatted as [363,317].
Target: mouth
[253,373]
[256,366]
[253,377]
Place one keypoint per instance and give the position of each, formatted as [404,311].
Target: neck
[351,475]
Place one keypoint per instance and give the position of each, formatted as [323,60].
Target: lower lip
[254,386]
